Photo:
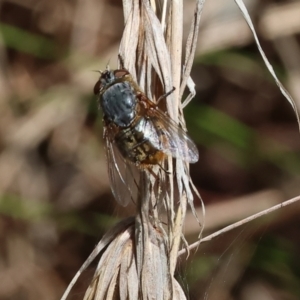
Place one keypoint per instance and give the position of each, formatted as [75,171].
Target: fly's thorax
[118,103]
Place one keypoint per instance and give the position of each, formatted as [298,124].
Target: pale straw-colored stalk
[139,255]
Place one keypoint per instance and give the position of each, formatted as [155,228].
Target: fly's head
[109,78]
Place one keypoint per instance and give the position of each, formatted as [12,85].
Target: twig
[239,223]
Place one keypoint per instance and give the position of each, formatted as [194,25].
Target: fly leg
[165,95]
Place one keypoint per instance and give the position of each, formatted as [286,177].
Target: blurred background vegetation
[55,201]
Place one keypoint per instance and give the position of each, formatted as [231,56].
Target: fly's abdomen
[140,143]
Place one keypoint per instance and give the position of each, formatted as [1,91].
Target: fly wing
[123,176]
[173,140]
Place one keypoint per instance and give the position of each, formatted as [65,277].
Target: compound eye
[121,73]
[97,87]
